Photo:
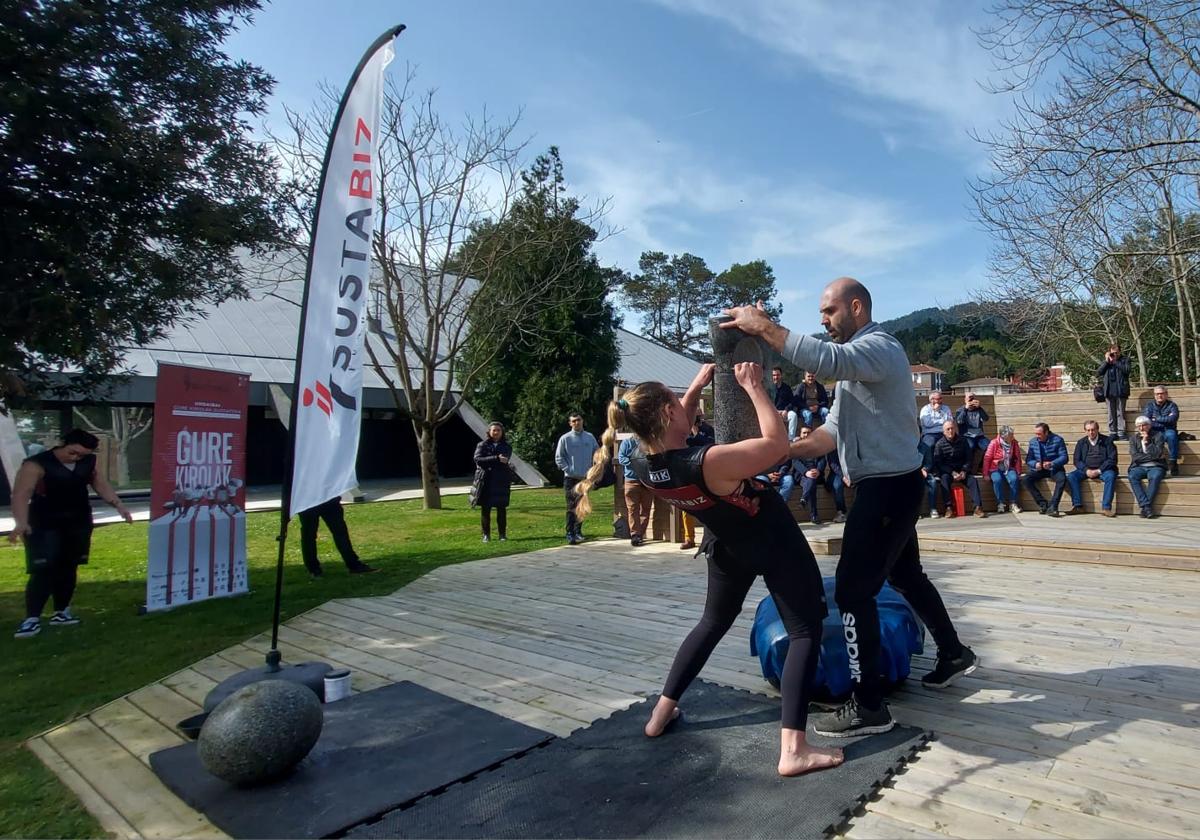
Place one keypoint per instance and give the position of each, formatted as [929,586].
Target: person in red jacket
[1002,463]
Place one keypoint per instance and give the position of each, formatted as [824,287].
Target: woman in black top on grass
[748,531]
[53,515]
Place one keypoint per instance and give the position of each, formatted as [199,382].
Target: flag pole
[274,658]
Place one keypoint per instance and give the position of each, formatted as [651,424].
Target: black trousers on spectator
[880,543]
[52,558]
[572,500]
[972,488]
[485,520]
[335,521]
[1031,478]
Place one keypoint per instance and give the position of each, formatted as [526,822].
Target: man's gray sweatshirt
[874,416]
[573,455]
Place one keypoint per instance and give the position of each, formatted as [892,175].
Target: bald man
[873,426]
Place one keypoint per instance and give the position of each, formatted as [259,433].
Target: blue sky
[826,138]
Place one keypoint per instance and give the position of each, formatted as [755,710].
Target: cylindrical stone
[734,417]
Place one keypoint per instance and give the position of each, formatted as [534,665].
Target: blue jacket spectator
[1053,449]
[624,453]
[1046,457]
[1163,415]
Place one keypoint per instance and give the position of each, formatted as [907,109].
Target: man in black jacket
[952,457]
[812,401]
[1113,374]
[783,401]
[1096,459]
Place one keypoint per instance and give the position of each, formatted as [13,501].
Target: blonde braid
[616,420]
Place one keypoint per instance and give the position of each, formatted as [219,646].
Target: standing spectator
[783,401]
[1002,464]
[335,521]
[702,435]
[1163,415]
[495,476]
[51,512]
[638,497]
[970,419]
[573,455]
[812,400]
[1114,380]
[1046,458]
[1148,461]
[952,457]
[810,471]
[835,484]
[1095,458]
[703,427]
[933,418]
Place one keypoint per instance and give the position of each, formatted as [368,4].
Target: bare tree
[441,247]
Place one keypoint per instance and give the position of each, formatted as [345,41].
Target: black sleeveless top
[60,499]
[753,522]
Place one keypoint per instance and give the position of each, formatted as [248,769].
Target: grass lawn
[66,672]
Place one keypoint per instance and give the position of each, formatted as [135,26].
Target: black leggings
[880,543]
[485,520]
[53,579]
[728,583]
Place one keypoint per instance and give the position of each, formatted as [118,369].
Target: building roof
[925,369]
[983,380]
[257,335]
[644,360]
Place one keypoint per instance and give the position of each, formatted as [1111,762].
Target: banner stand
[335,311]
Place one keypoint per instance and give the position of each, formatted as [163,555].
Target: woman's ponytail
[608,442]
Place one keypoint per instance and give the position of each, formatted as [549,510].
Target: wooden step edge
[1157,550]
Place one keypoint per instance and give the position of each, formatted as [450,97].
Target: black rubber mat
[378,750]
[712,775]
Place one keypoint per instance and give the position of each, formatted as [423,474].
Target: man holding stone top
[873,427]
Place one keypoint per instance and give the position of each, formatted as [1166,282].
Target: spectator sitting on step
[933,417]
[1148,461]
[810,471]
[812,400]
[782,477]
[1002,464]
[970,419]
[1046,458]
[1095,458]
[1163,414]
[783,401]
[931,479]
[835,483]
[952,461]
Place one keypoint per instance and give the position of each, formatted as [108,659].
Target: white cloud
[921,59]
[665,197]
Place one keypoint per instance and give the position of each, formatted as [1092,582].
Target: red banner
[198,494]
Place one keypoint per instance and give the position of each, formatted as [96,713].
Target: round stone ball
[260,732]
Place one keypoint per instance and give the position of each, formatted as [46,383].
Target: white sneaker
[933,514]
[840,518]
[29,628]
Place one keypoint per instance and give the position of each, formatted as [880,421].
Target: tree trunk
[1179,278]
[430,483]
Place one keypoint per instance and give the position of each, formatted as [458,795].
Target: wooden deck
[1083,721]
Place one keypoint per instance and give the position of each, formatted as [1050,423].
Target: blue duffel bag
[901,635]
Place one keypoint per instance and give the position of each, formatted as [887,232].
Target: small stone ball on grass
[260,732]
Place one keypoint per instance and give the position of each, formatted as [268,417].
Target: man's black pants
[335,521]
[878,544]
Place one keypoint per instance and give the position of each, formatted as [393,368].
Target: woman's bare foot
[664,712]
[797,756]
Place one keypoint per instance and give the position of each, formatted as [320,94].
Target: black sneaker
[29,628]
[1043,508]
[64,618]
[316,572]
[948,670]
[850,720]
[362,569]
